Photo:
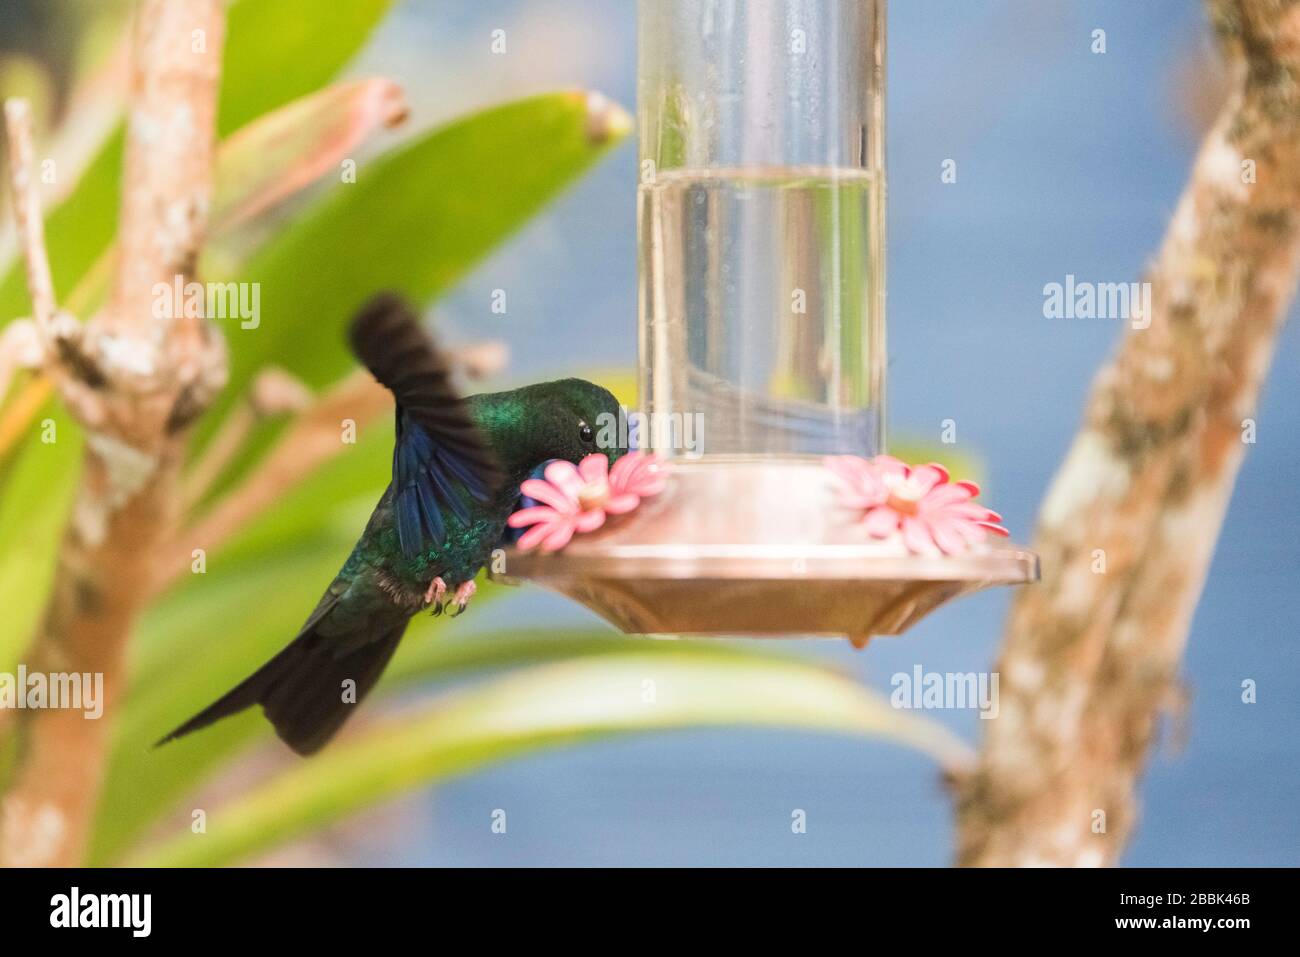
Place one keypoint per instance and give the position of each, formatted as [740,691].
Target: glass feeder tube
[761,225]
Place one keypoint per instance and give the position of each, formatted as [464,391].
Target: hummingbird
[457,466]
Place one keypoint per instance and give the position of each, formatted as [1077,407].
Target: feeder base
[758,547]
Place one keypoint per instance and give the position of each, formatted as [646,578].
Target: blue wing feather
[430,486]
[431,520]
[445,489]
[406,511]
[471,479]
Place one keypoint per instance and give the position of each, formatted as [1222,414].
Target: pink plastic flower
[931,513]
[577,498]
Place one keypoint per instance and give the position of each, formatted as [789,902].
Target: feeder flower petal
[619,504]
[589,521]
[565,477]
[594,468]
[880,521]
[534,536]
[578,498]
[548,494]
[930,513]
[638,474]
[860,485]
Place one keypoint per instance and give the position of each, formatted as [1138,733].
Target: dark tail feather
[301,689]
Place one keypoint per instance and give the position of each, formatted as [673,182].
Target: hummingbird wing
[439,458]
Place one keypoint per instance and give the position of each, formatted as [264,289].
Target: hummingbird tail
[303,689]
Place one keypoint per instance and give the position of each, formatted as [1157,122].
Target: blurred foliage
[262,36]
[544,707]
[80,229]
[431,234]
[39,485]
[37,50]
[417,219]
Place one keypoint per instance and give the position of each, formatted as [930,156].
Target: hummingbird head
[566,419]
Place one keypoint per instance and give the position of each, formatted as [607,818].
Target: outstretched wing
[440,458]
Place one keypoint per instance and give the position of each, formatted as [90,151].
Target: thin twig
[21,347]
[27,213]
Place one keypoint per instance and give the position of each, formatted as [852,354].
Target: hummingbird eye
[585,433]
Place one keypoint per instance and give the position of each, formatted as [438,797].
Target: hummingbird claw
[437,588]
[464,592]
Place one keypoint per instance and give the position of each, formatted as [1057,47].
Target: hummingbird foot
[464,592]
[437,588]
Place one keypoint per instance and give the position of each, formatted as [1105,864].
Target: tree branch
[134,382]
[1128,528]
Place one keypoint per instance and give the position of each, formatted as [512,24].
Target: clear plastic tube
[761,225]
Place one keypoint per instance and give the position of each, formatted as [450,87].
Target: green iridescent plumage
[457,466]
[524,428]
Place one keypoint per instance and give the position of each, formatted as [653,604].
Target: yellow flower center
[905,494]
[593,495]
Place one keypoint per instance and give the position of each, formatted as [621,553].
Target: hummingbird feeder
[761,224]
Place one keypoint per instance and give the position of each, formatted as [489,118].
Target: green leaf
[270,159]
[536,709]
[280,50]
[291,147]
[35,496]
[144,782]
[416,220]
[276,51]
